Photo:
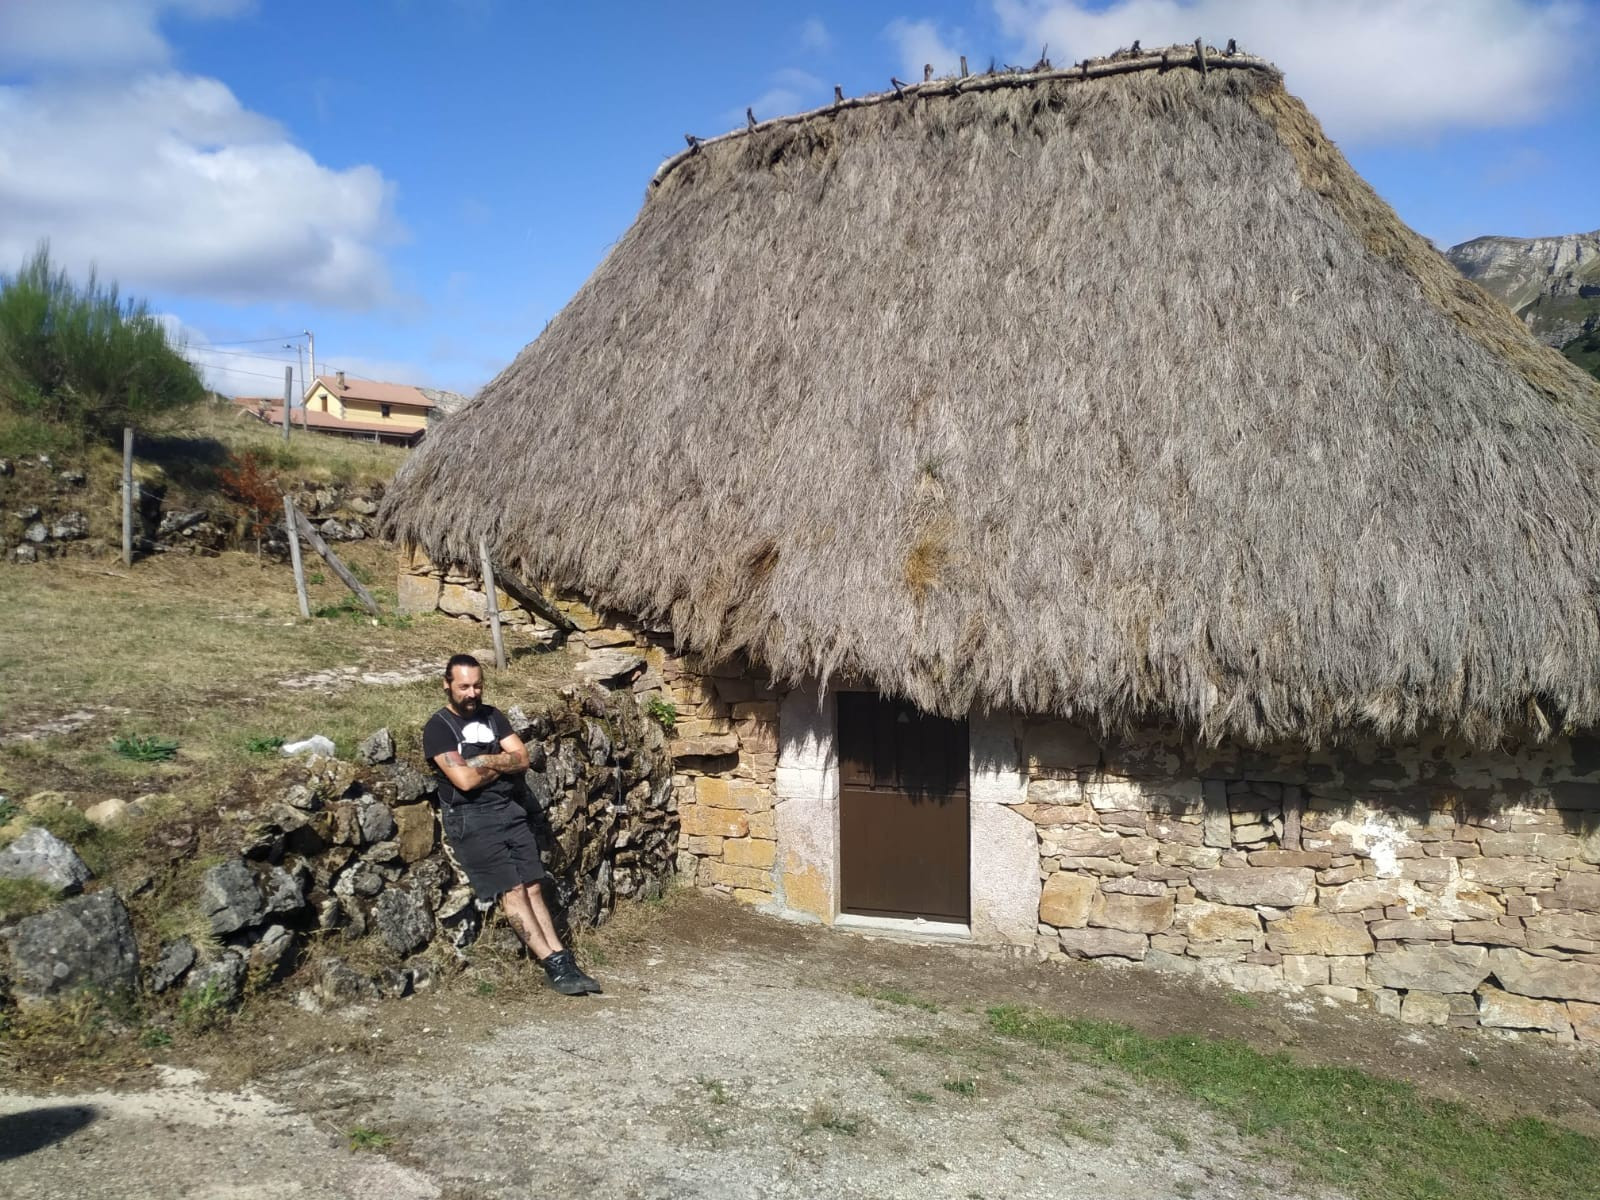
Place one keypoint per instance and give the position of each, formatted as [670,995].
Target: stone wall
[722,723]
[339,868]
[1442,885]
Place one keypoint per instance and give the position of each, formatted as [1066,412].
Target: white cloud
[792,91]
[163,180]
[92,34]
[920,44]
[814,36]
[1371,70]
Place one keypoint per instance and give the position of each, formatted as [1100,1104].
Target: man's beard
[467,706]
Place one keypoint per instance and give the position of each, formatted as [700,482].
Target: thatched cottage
[1069,508]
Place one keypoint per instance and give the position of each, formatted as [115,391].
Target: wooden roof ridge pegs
[694,142]
[963,66]
[838,94]
[749,118]
[927,72]
[1233,48]
[1200,53]
[899,88]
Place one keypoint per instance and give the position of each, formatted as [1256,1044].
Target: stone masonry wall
[1442,885]
[723,724]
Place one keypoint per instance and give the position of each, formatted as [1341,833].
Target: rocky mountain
[1552,283]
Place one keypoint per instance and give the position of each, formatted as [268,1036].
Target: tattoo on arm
[497,762]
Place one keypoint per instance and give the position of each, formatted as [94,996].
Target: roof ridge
[1197,56]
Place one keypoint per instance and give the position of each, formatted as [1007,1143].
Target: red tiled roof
[380,393]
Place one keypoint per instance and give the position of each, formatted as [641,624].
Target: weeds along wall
[1443,885]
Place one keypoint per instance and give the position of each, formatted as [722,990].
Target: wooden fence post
[294,554]
[127,495]
[288,398]
[494,603]
[335,565]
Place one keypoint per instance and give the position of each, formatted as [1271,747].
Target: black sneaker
[571,965]
[564,975]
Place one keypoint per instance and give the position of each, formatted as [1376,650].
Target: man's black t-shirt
[467,736]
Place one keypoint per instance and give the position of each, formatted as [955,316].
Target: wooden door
[903,827]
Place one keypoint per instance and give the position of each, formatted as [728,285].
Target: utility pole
[288,395]
[312,338]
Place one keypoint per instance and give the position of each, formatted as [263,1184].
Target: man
[473,750]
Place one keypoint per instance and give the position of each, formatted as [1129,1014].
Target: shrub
[82,358]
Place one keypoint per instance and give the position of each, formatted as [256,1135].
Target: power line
[242,371]
[287,337]
[261,354]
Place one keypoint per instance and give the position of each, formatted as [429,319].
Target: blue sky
[424,183]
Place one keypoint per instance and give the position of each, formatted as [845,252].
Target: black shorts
[494,844]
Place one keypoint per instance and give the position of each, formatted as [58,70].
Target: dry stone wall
[1442,885]
[722,723]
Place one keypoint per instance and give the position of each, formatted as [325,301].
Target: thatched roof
[1110,392]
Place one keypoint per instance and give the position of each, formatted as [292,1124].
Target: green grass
[829,1118]
[663,711]
[1336,1125]
[203,1009]
[715,1089]
[263,743]
[363,1137]
[144,747]
[22,898]
[967,1088]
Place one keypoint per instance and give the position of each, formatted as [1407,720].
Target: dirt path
[733,1056]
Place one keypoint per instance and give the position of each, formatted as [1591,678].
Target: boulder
[1279,887]
[339,983]
[1425,1008]
[611,668]
[1064,901]
[85,942]
[1312,931]
[378,748]
[70,527]
[270,957]
[230,897]
[176,957]
[413,825]
[107,813]
[40,856]
[375,820]
[410,785]
[1432,967]
[1548,978]
[402,920]
[283,893]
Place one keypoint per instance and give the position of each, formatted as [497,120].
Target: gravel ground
[732,1056]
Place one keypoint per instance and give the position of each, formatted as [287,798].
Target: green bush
[82,358]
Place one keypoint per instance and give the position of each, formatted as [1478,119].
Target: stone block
[1080,843]
[1057,814]
[1234,951]
[1578,891]
[715,745]
[1337,994]
[1508,872]
[1335,876]
[1202,858]
[1432,967]
[1282,887]
[1386,1002]
[752,896]
[1317,861]
[1133,886]
[762,825]
[1246,977]
[1503,1010]
[1425,1008]
[1112,794]
[1413,931]
[1065,900]
[1547,846]
[752,878]
[698,820]
[716,792]
[1585,1020]
[1348,971]
[1487,933]
[1565,930]
[1218,922]
[1547,978]
[1360,895]
[1311,931]
[1104,943]
[1305,970]
[1132,914]
[749,852]
[417,593]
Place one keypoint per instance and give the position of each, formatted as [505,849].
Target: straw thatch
[1115,395]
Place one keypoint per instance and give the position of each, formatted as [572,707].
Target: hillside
[1552,283]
